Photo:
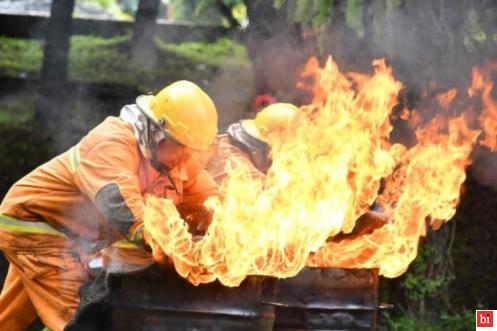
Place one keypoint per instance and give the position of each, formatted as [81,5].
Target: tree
[52,90]
[143,51]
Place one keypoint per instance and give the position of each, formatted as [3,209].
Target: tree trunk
[142,44]
[52,90]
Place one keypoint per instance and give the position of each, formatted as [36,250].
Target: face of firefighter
[171,154]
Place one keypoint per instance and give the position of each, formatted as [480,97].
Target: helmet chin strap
[153,154]
[152,147]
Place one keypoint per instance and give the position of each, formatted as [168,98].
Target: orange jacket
[95,190]
[228,152]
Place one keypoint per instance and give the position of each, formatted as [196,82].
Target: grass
[96,59]
[402,320]
[211,54]
[19,57]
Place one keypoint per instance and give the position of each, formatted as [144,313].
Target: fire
[425,186]
[445,99]
[482,84]
[325,175]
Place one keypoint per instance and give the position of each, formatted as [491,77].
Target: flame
[425,185]
[324,176]
[445,99]
[482,84]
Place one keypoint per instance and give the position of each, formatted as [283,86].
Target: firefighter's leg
[16,309]
[52,282]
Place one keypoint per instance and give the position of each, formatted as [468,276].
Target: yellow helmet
[273,119]
[185,112]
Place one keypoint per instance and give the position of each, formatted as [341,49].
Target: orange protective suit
[77,203]
[229,152]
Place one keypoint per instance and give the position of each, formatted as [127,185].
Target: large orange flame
[425,186]
[324,176]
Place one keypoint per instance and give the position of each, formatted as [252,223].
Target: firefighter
[92,195]
[245,142]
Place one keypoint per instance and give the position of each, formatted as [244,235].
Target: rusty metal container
[327,299]
[155,299]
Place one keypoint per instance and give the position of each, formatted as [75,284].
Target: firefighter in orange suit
[246,143]
[93,194]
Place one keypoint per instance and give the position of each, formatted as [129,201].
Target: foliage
[474,253]
[401,320]
[20,56]
[476,18]
[100,3]
[278,3]
[459,321]
[129,6]
[99,59]
[203,6]
[354,16]
[123,9]
[474,34]
[422,280]
[323,9]
[303,11]
[209,53]
[307,12]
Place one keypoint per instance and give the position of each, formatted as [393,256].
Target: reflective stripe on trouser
[45,275]
[11,224]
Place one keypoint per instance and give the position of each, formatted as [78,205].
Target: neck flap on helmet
[147,132]
[257,149]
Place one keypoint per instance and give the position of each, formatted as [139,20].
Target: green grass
[402,320]
[96,59]
[208,53]
[20,56]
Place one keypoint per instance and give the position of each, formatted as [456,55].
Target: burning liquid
[324,176]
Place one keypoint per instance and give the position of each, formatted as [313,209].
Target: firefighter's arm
[107,175]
